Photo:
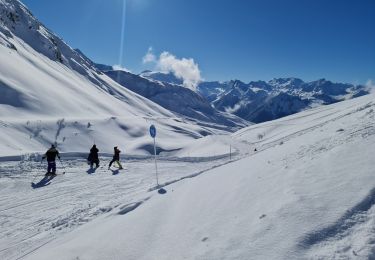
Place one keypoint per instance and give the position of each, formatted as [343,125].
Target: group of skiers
[92,159]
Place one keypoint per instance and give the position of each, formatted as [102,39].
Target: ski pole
[62,165]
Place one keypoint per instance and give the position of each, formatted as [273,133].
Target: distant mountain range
[260,101]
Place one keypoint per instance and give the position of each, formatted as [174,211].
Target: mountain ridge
[259,101]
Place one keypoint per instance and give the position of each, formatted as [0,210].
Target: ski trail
[73,199]
[36,248]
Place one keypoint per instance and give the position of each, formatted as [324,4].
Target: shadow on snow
[43,182]
[337,229]
[91,170]
[115,172]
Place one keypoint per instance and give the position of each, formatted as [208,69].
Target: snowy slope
[49,103]
[307,193]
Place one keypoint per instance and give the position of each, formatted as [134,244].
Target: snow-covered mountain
[260,101]
[176,98]
[212,89]
[52,93]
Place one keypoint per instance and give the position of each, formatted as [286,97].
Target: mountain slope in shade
[176,98]
[209,90]
[212,89]
[50,78]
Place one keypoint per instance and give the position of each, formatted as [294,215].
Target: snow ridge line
[312,128]
[193,175]
[338,229]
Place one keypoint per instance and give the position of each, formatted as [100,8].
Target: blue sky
[228,39]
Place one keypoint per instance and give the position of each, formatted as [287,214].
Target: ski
[55,174]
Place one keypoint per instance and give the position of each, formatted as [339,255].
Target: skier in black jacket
[93,156]
[51,157]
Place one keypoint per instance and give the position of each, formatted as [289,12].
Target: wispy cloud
[149,56]
[185,68]
[370,85]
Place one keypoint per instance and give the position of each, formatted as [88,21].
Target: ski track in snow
[33,215]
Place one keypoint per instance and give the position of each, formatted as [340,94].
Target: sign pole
[153,135]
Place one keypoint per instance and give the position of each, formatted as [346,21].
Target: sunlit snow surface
[307,193]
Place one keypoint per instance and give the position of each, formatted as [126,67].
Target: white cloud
[149,56]
[119,67]
[236,107]
[185,69]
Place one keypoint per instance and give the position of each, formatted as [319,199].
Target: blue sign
[152,131]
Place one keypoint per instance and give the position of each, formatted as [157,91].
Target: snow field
[307,194]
